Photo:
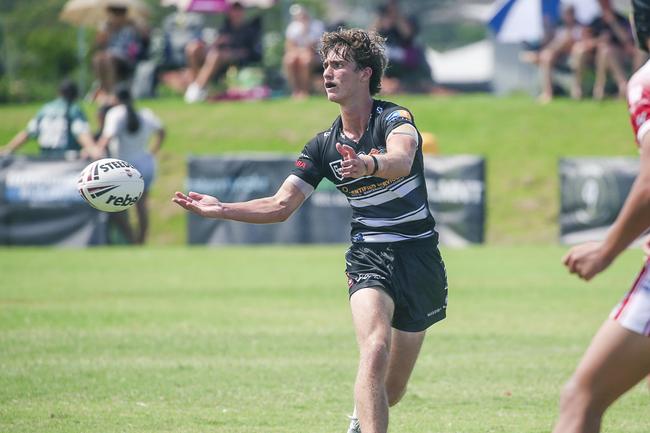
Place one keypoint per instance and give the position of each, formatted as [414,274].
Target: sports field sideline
[259,340]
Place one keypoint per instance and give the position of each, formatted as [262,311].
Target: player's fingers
[181,196]
[195,195]
[181,202]
[346,151]
[350,151]
[571,264]
[339,149]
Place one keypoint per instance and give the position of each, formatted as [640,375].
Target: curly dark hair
[366,49]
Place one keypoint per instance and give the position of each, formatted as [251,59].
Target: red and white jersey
[638,101]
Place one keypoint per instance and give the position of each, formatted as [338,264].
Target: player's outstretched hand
[352,165]
[586,260]
[201,204]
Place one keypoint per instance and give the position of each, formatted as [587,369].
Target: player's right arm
[589,259]
[18,140]
[274,209]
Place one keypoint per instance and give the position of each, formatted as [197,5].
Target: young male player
[619,355]
[396,277]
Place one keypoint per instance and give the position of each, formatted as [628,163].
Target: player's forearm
[259,211]
[16,142]
[157,141]
[389,166]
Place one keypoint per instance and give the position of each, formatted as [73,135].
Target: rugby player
[396,276]
[619,355]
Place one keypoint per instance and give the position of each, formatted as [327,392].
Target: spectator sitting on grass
[239,43]
[120,44]
[301,59]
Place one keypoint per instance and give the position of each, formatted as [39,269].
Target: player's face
[343,79]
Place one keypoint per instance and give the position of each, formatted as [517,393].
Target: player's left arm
[401,145]
[88,146]
[589,259]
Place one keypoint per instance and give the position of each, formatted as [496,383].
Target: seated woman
[615,49]
[119,45]
[560,47]
[239,43]
[302,38]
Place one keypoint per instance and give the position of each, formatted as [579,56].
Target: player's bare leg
[372,312]
[616,360]
[121,221]
[195,54]
[404,351]
[143,218]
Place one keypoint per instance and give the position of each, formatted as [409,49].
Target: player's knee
[546,57]
[395,395]
[375,351]
[576,400]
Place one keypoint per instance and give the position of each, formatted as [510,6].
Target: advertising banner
[592,192]
[40,205]
[456,187]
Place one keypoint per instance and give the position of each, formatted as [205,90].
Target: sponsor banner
[456,188]
[40,205]
[456,196]
[592,192]
[235,179]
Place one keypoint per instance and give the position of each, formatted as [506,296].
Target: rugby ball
[110,185]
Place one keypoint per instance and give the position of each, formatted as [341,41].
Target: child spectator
[127,135]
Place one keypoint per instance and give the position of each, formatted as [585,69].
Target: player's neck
[355,117]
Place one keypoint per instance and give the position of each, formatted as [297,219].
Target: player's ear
[366,73]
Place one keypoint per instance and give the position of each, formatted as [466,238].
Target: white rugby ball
[110,185]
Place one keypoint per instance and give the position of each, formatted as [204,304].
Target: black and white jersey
[382,210]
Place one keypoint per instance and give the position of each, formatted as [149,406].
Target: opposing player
[619,355]
[396,277]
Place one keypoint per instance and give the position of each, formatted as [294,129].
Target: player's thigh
[616,360]
[372,312]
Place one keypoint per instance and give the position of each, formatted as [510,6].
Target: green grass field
[259,340]
[520,139]
[169,338]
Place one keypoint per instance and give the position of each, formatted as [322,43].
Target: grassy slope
[520,139]
[190,340]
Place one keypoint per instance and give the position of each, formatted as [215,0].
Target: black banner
[592,192]
[456,188]
[456,196]
[40,205]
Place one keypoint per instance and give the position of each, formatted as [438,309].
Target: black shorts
[412,273]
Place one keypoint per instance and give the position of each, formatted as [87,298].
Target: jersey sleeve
[638,100]
[151,119]
[308,165]
[111,122]
[32,126]
[395,117]
[78,122]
